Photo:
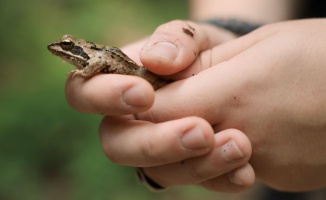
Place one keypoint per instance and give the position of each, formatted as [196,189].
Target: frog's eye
[66,44]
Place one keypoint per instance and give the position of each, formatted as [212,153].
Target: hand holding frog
[187,143]
[269,84]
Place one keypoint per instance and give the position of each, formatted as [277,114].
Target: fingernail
[163,50]
[135,96]
[230,151]
[194,139]
[234,178]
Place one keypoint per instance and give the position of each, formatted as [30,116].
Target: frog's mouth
[77,59]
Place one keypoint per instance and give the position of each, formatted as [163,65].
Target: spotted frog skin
[90,59]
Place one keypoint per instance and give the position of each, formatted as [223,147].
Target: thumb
[175,45]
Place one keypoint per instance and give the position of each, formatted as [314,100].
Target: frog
[90,59]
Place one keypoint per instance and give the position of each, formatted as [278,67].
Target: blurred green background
[47,150]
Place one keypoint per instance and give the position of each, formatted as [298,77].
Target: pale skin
[263,94]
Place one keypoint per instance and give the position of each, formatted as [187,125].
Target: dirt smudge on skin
[188,32]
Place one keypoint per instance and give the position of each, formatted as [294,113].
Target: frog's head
[71,50]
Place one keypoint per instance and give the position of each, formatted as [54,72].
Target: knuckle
[195,174]
[160,149]
[110,154]
[150,151]
[204,60]
[107,148]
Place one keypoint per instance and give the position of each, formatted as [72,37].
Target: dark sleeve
[314,9]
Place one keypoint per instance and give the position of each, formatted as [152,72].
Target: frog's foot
[77,72]
[72,73]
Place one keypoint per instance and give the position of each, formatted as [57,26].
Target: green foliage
[47,150]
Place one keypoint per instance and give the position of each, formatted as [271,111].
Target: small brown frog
[90,59]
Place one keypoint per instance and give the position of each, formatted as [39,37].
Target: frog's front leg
[94,66]
[80,72]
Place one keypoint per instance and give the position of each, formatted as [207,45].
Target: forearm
[256,11]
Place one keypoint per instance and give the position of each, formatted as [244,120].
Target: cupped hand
[269,84]
[172,152]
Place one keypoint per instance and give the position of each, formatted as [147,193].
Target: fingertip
[200,135]
[239,180]
[148,144]
[207,131]
[241,144]
[161,57]
[136,96]
[109,94]
[243,176]
[171,48]
[184,138]
[235,149]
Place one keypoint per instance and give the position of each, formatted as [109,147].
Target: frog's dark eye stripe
[74,49]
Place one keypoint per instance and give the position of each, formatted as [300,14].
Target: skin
[263,95]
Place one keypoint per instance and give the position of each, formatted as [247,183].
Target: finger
[224,52]
[232,149]
[175,45]
[238,180]
[109,94]
[142,144]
